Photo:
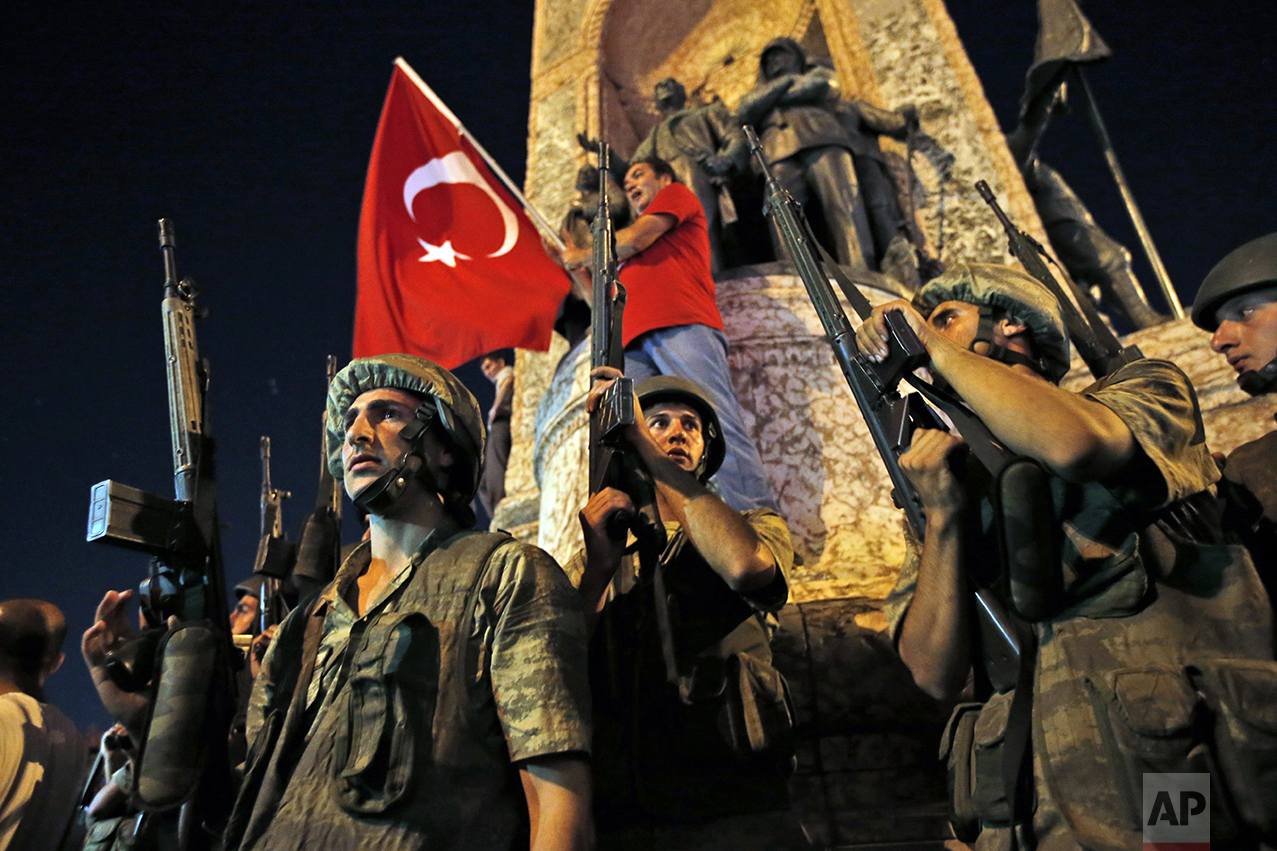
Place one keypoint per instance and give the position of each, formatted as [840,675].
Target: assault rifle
[275,553]
[611,463]
[615,411]
[890,417]
[291,571]
[1098,347]
[319,544]
[182,757]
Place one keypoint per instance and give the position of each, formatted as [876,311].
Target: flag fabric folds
[1065,38]
[450,267]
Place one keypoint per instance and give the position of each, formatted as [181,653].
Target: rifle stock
[319,544]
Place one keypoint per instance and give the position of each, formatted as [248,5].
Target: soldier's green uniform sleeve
[771,529]
[539,675]
[1156,401]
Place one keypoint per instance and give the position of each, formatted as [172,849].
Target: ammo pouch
[1242,699]
[1029,540]
[973,745]
[115,834]
[388,710]
[758,713]
[1216,716]
[747,700]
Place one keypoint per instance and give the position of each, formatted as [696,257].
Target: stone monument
[867,769]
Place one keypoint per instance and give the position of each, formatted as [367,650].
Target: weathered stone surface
[867,737]
[561,457]
[917,58]
[831,486]
[553,153]
[560,23]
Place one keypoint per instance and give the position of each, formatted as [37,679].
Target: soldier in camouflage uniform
[1156,655]
[692,720]
[435,694]
[1238,303]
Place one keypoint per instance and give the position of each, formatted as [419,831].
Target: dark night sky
[250,125]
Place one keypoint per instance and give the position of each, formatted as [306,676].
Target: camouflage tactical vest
[412,738]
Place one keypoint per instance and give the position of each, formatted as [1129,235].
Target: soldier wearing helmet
[1238,303]
[1145,588]
[673,646]
[442,669]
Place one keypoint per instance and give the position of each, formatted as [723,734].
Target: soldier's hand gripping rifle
[890,417]
[1099,348]
[612,464]
[182,757]
[275,553]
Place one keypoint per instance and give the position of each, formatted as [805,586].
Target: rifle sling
[850,291]
[1017,747]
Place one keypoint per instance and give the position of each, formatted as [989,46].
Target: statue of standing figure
[823,147]
[705,146]
[1094,259]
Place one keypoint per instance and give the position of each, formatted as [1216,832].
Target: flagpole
[544,226]
[1137,219]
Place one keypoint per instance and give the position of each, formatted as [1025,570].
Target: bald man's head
[31,636]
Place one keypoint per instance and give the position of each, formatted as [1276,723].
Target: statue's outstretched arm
[756,103]
[816,85]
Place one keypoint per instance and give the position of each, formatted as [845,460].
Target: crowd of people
[452,688]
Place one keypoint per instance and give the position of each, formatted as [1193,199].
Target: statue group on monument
[823,148]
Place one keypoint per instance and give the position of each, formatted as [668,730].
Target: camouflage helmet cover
[671,388]
[414,375]
[1249,267]
[991,285]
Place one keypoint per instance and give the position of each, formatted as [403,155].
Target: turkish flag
[450,266]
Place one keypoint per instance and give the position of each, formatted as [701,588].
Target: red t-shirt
[669,283]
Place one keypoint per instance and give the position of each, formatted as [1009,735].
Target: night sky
[250,124]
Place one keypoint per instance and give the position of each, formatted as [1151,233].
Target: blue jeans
[699,353]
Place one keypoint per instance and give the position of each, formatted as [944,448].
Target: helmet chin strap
[380,494]
[1257,382]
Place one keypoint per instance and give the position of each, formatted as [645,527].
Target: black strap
[1017,743]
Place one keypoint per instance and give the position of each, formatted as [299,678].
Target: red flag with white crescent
[450,266]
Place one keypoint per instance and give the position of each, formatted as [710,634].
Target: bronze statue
[705,146]
[580,216]
[1092,257]
[1066,42]
[819,145]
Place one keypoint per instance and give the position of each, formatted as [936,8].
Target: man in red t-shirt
[672,325]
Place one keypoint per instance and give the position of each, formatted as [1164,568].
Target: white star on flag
[443,253]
